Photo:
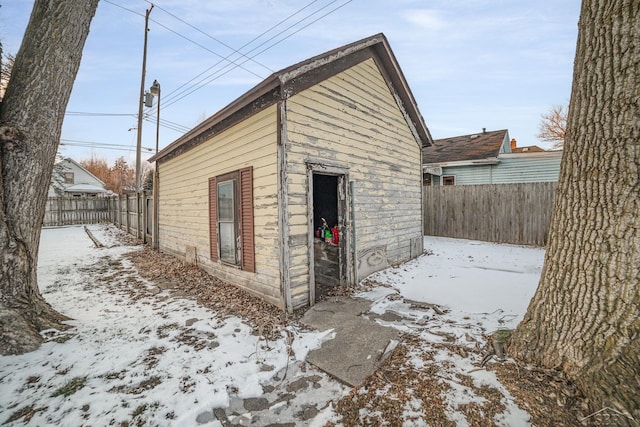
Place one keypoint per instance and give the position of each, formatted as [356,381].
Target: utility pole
[140,99]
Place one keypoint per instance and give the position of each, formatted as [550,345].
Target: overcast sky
[471,64]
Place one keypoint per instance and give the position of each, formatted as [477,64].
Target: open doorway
[328,225]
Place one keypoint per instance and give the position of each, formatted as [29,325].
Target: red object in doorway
[335,232]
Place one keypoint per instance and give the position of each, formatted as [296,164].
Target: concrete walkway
[359,345]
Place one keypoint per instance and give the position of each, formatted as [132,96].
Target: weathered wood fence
[72,210]
[504,213]
[131,212]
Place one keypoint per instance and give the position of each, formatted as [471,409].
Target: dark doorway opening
[326,244]
[325,200]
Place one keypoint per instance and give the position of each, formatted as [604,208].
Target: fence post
[126,198]
[144,216]
[139,233]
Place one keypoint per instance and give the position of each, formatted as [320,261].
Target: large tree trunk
[31,116]
[585,316]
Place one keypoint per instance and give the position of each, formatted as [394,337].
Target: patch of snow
[307,341]
[168,360]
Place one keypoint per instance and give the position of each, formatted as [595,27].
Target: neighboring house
[528,149]
[489,157]
[339,137]
[70,179]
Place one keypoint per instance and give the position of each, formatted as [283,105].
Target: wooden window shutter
[246,219]
[213,219]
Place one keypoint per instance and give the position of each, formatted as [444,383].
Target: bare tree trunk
[31,116]
[585,316]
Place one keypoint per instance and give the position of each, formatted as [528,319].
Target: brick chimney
[513,144]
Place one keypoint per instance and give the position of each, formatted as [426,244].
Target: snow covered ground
[165,360]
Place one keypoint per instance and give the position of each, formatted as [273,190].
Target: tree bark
[31,116]
[584,318]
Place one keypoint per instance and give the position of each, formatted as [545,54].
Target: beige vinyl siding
[184,207]
[352,119]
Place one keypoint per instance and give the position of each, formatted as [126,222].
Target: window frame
[233,178]
[445,178]
[68,177]
[243,217]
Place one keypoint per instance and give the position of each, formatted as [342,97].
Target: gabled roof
[477,146]
[298,77]
[79,166]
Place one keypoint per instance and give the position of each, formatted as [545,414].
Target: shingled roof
[475,146]
[295,78]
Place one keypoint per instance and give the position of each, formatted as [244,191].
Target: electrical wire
[92,114]
[168,125]
[238,50]
[221,72]
[187,38]
[210,36]
[231,65]
[103,145]
[148,116]
[216,75]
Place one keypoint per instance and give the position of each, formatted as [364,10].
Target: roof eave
[263,88]
[475,162]
[280,80]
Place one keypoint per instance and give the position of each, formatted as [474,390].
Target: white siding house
[70,179]
[337,139]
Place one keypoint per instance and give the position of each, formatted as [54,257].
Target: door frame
[344,223]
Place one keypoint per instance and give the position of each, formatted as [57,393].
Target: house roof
[475,146]
[298,77]
[78,165]
[84,188]
[529,149]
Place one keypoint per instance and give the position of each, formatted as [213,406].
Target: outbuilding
[312,179]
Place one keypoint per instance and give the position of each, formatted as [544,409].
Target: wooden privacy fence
[504,213]
[131,212]
[73,210]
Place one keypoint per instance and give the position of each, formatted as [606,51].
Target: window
[449,180]
[231,218]
[67,177]
[227,220]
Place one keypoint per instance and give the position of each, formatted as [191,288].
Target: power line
[92,114]
[122,7]
[186,38]
[223,58]
[305,26]
[212,37]
[241,47]
[163,122]
[168,124]
[213,76]
[221,72]
[103,145]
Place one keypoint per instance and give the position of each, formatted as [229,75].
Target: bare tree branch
[553,126]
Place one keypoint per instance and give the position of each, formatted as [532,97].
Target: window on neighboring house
[67,177]
[449,180]
[231,218]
